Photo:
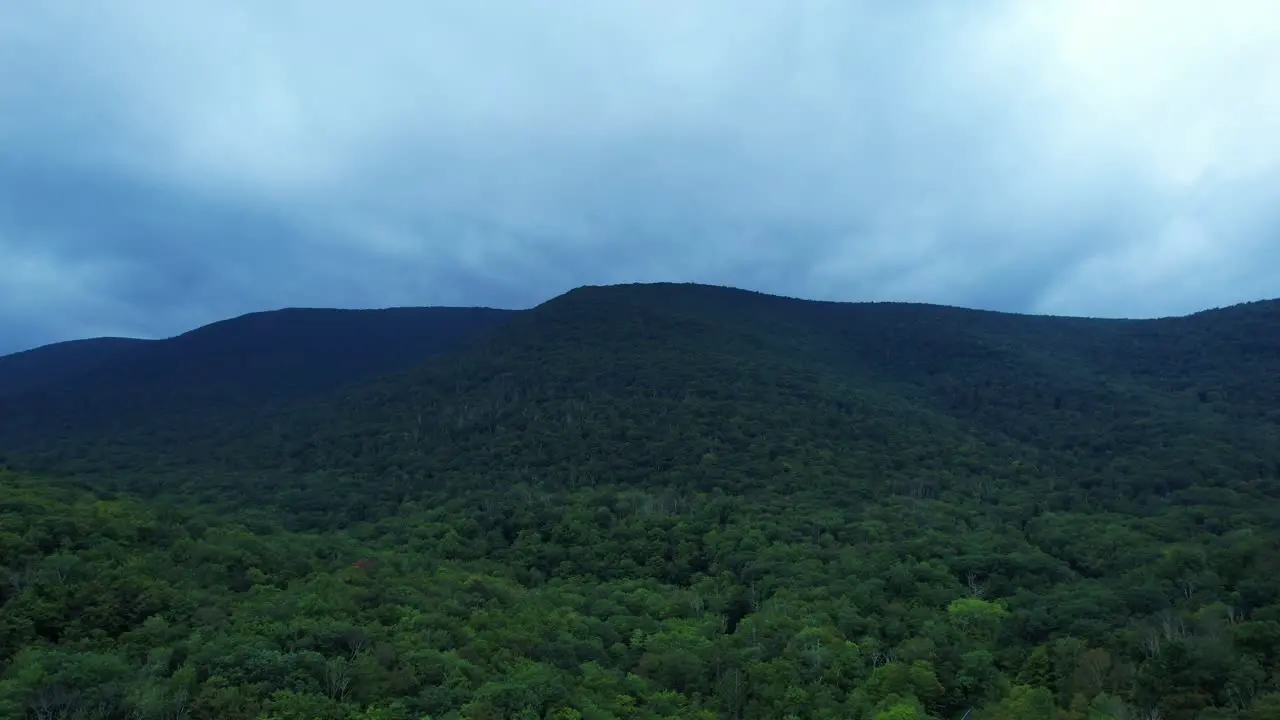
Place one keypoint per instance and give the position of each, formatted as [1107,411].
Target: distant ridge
[339,374]
[49,364]
[92,349]
[694,290]
[252,359]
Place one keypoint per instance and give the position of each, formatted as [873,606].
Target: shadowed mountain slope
[882,393]
[50,364]
[698,386]
[237,365]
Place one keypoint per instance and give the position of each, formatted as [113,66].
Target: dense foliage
[685,502]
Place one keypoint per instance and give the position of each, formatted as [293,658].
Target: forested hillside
[41,367]
[75,394]
[680,501]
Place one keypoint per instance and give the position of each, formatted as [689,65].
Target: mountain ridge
[592,288]
[1039,387]
[47,364]
[909,346]
[251,359]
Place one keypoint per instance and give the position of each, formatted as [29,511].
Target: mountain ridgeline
[101,388]
[678,374]
[653,501]
[48,365]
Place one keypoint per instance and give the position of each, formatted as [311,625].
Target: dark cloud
[163,165]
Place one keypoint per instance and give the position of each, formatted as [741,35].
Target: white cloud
[1187,87]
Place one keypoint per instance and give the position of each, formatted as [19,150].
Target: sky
[164,165]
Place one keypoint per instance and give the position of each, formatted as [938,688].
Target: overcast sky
[166,164]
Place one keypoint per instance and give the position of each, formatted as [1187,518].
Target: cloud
[168,164]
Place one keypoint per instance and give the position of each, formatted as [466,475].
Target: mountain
[97,388]
[661,501]
[48,365]
[865,397]
[1080,399]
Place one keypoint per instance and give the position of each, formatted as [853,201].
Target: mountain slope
[50,364]
[235,365]
[627,369]
[694,386]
